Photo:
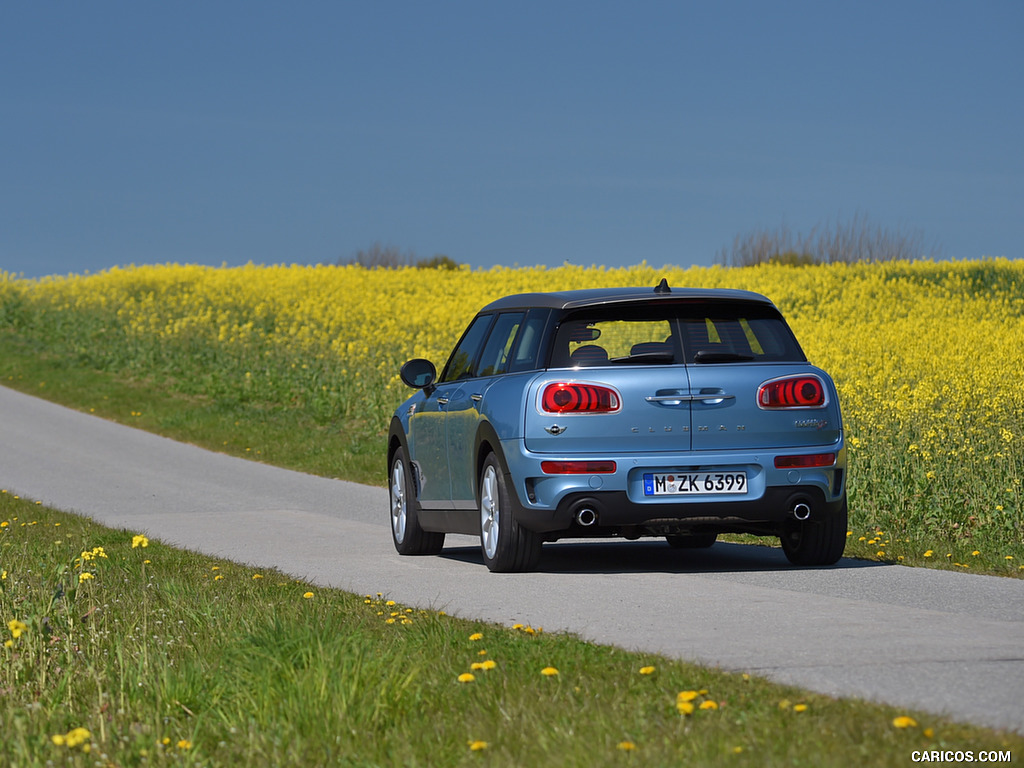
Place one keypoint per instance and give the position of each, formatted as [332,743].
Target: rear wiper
[705,356]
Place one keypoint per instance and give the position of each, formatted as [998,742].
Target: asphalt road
[943,642]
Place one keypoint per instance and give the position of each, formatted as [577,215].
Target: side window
[495,358]
[526,355]
[460,364]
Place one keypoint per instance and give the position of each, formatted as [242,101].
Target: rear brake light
[571,397]
[577,467]
[805,461]
[792,392]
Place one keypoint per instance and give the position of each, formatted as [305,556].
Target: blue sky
[518,133]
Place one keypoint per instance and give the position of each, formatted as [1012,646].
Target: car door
[428,425]
[732,352]
[464,406]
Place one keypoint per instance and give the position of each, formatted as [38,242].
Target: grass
[125,652]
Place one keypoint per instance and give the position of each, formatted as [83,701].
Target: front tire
[408,536]
[506,546]
[815,542]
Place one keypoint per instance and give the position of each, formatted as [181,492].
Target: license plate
[694,483]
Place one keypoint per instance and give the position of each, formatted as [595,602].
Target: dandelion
[685,707]
[687,695]
[709,704]
[17,628]
[184,744]
[646,670]
[626,746]
[476,636]
[904,721]
[929,553]
[800,708]
[467,677]
[477,745]
[76,737]
[549,671]
[308,596]
[139,540]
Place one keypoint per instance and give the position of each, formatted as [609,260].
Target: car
[681,413]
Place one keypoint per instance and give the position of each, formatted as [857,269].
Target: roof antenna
[662,287]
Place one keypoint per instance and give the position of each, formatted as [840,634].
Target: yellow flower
[549,671]
[800,708]
[476,636]
[467,677]
[626,746]
[477,746]
[85,577]
[709,704]
[646,670]
[687,696]
[308,595]
[685,707]
[139,541]
[904,721]
[257,576]
[17,628]
[184,744]
[929,553]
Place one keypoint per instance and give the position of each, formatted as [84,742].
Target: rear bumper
[612,513]
[551,504]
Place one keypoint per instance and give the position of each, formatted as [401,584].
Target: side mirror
[418,373]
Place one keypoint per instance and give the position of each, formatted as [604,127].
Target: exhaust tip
[586,517]
[801,511]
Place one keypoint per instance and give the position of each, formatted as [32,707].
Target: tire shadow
[654,556]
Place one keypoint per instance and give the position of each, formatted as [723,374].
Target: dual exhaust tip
[586,516]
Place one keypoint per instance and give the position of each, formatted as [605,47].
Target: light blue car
[621,412]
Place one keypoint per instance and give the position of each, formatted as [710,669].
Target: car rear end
[684,416]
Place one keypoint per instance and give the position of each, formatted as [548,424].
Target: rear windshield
[667,333]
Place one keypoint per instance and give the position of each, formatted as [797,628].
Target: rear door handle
[715,397]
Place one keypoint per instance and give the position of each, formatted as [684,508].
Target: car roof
[598,296]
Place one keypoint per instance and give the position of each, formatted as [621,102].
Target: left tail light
[577,397]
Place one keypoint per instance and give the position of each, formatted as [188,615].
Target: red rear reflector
[795,392]
[567,397]
[808,460]
[577,467]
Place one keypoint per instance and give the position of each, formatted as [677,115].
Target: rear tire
[815,541]
[506,546]
[408,536]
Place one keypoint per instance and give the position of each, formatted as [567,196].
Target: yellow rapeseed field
[928,356]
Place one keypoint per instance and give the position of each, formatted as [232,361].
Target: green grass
[167,657]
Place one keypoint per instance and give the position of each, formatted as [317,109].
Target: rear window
[670,332]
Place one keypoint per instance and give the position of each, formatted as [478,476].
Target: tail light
[792,392]
[575,397]
[805,461]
